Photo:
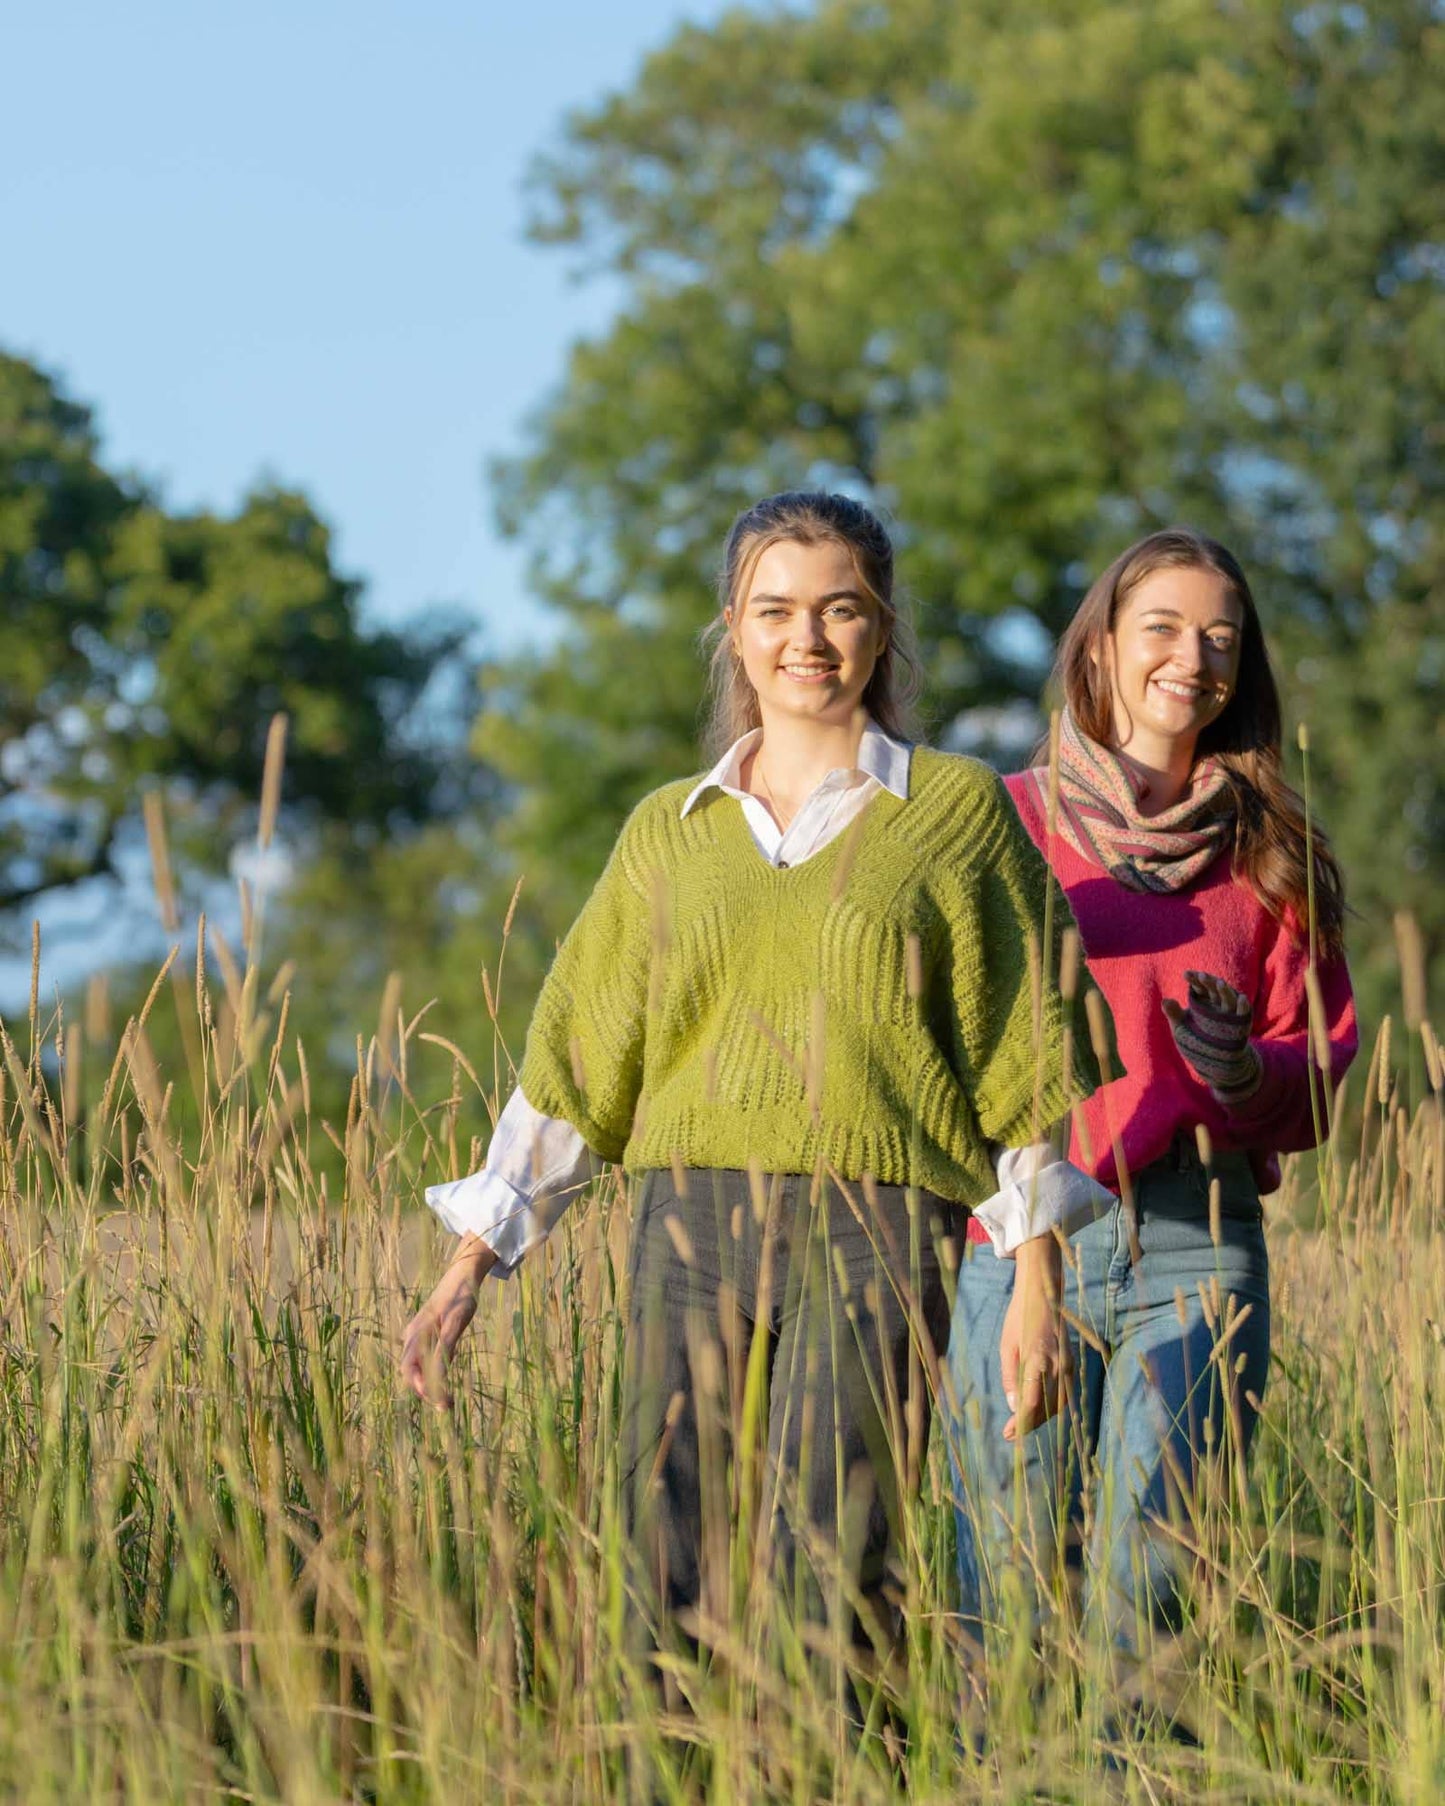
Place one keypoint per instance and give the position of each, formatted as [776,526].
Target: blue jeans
[1169,1350]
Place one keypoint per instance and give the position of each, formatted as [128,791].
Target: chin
[810,702]
[1182,718]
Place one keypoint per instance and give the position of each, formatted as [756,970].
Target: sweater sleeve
[1280,1114]
[1024,1050]
[584,1056]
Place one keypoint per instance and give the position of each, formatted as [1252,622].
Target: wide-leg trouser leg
[863,1315]
[844,1285]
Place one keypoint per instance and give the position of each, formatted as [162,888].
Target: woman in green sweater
[802,1008]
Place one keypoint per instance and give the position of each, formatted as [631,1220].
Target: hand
[1034,1352]
[1212,1034]
[431,1338]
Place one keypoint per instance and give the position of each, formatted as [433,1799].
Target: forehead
[788,568]
[1201,597]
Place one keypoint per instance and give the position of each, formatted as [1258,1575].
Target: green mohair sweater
[870,1010]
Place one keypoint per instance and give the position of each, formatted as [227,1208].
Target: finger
[1050,1404]
[414,1378]
[1030,1410]
[436,1392]
[1009,1372]
[1172,1010]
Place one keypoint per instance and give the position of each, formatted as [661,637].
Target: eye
[842,611]
[1158,627]
[1222,642]
[770,611]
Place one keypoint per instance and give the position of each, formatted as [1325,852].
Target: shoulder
[653,832]
[1023,792]
[662,807]
[949,792]
[951,774]
[960,814]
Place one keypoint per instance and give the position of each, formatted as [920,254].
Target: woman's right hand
[431,1338]
[1035,1355]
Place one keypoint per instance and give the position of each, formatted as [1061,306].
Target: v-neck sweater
[873,1011]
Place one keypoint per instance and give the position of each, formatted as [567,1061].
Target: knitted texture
[1141,948]
[871,1010]
[1099,816]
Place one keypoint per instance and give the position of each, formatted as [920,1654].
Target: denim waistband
[1177,1184]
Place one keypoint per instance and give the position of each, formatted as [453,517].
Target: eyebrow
[833,595]
[1174,615]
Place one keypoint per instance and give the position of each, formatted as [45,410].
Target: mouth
[809,673]
[1184,691]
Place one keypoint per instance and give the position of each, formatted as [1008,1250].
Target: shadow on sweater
[1124,924]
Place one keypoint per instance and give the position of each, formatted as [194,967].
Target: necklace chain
[773,803]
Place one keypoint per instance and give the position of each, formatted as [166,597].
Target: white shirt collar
[880,757]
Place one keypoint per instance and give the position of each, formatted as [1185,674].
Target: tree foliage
[146,647]
[1035,278]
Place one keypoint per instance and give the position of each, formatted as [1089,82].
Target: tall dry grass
[235,1561]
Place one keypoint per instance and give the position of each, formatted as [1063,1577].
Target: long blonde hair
[808,517]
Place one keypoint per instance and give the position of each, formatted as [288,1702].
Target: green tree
[144,647]
[1035,278]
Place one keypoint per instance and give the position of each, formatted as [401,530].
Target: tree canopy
[148,647]
[1035,278]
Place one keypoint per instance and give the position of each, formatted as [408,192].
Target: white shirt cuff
[483,1204]
[1038,1192]
[536,1166]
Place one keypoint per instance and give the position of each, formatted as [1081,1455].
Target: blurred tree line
[1035,278]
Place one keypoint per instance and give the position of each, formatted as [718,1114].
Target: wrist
[1039,1254]
[1243,1078]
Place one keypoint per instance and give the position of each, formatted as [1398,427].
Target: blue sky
[286,240]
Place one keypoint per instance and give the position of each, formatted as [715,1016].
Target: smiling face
[1173,661]
[807,632]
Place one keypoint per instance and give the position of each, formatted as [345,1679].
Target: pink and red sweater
[1139,946]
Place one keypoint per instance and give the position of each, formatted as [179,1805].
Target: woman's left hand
[1212,1033]
[1034,1351]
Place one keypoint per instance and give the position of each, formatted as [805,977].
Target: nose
[1191,653]
[808,634]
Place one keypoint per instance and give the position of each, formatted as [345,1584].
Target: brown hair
[1270,842]
[808,517]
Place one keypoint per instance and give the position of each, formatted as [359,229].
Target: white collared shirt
[536,1165]
[840,797]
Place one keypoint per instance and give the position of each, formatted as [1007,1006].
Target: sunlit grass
[235,1560]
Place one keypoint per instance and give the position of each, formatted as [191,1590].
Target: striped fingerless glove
[1216,1044]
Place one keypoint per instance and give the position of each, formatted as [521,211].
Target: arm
[1025,1056]
[1039,1191]
[584,1067]
[1023,1052]
[430,1339]
[1041,1199]
[536,1165]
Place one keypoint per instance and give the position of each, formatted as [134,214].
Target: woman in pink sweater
[1183,854]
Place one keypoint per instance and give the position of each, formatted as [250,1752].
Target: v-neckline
[740,825]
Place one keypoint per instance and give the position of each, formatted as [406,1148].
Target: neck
[1166,767]
[797,755]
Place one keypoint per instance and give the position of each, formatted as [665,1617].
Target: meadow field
[236,1562]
